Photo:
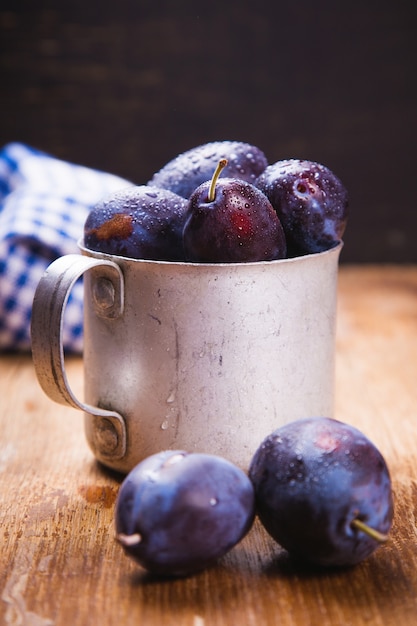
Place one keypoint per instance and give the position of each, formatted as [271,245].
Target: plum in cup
[231,221]
[310,201]
[192,168]
[139,222]
[323,491]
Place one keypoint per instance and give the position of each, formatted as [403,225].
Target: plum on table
[323,491]
[178,512]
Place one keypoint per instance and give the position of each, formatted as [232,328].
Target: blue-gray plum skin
[312,478]
[178,512]
[188,170]
[311,202]
[139,222]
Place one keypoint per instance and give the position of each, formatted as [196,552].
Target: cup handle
[48,310]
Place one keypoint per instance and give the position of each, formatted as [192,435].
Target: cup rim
[336,249]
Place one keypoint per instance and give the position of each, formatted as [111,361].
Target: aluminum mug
[199,357]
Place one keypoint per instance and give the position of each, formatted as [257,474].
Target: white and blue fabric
[44,202]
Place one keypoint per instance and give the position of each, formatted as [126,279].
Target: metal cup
[200,357]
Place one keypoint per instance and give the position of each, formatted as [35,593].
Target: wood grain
[60,564]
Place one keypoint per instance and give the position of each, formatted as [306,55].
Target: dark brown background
[125,86]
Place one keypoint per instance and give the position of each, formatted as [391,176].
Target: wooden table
[61,566]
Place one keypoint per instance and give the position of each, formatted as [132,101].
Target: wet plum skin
[239,225]
[311,202]
[138,222]
[190,169]
[313,477]
[188,508]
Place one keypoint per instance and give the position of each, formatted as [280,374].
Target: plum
[310,201]
[178,512]
[323,491]
[230,221]
[139,222]
[195,166]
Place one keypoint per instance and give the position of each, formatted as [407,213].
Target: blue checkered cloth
[44,202]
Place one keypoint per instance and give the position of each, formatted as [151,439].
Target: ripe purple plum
[323,491]
[139,222]
[310,201]
[195,166]
[178,512]
[231,221]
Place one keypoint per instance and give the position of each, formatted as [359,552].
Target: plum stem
[129,540]
[212,189]
[371,532]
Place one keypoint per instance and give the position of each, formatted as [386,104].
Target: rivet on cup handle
[48,310]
